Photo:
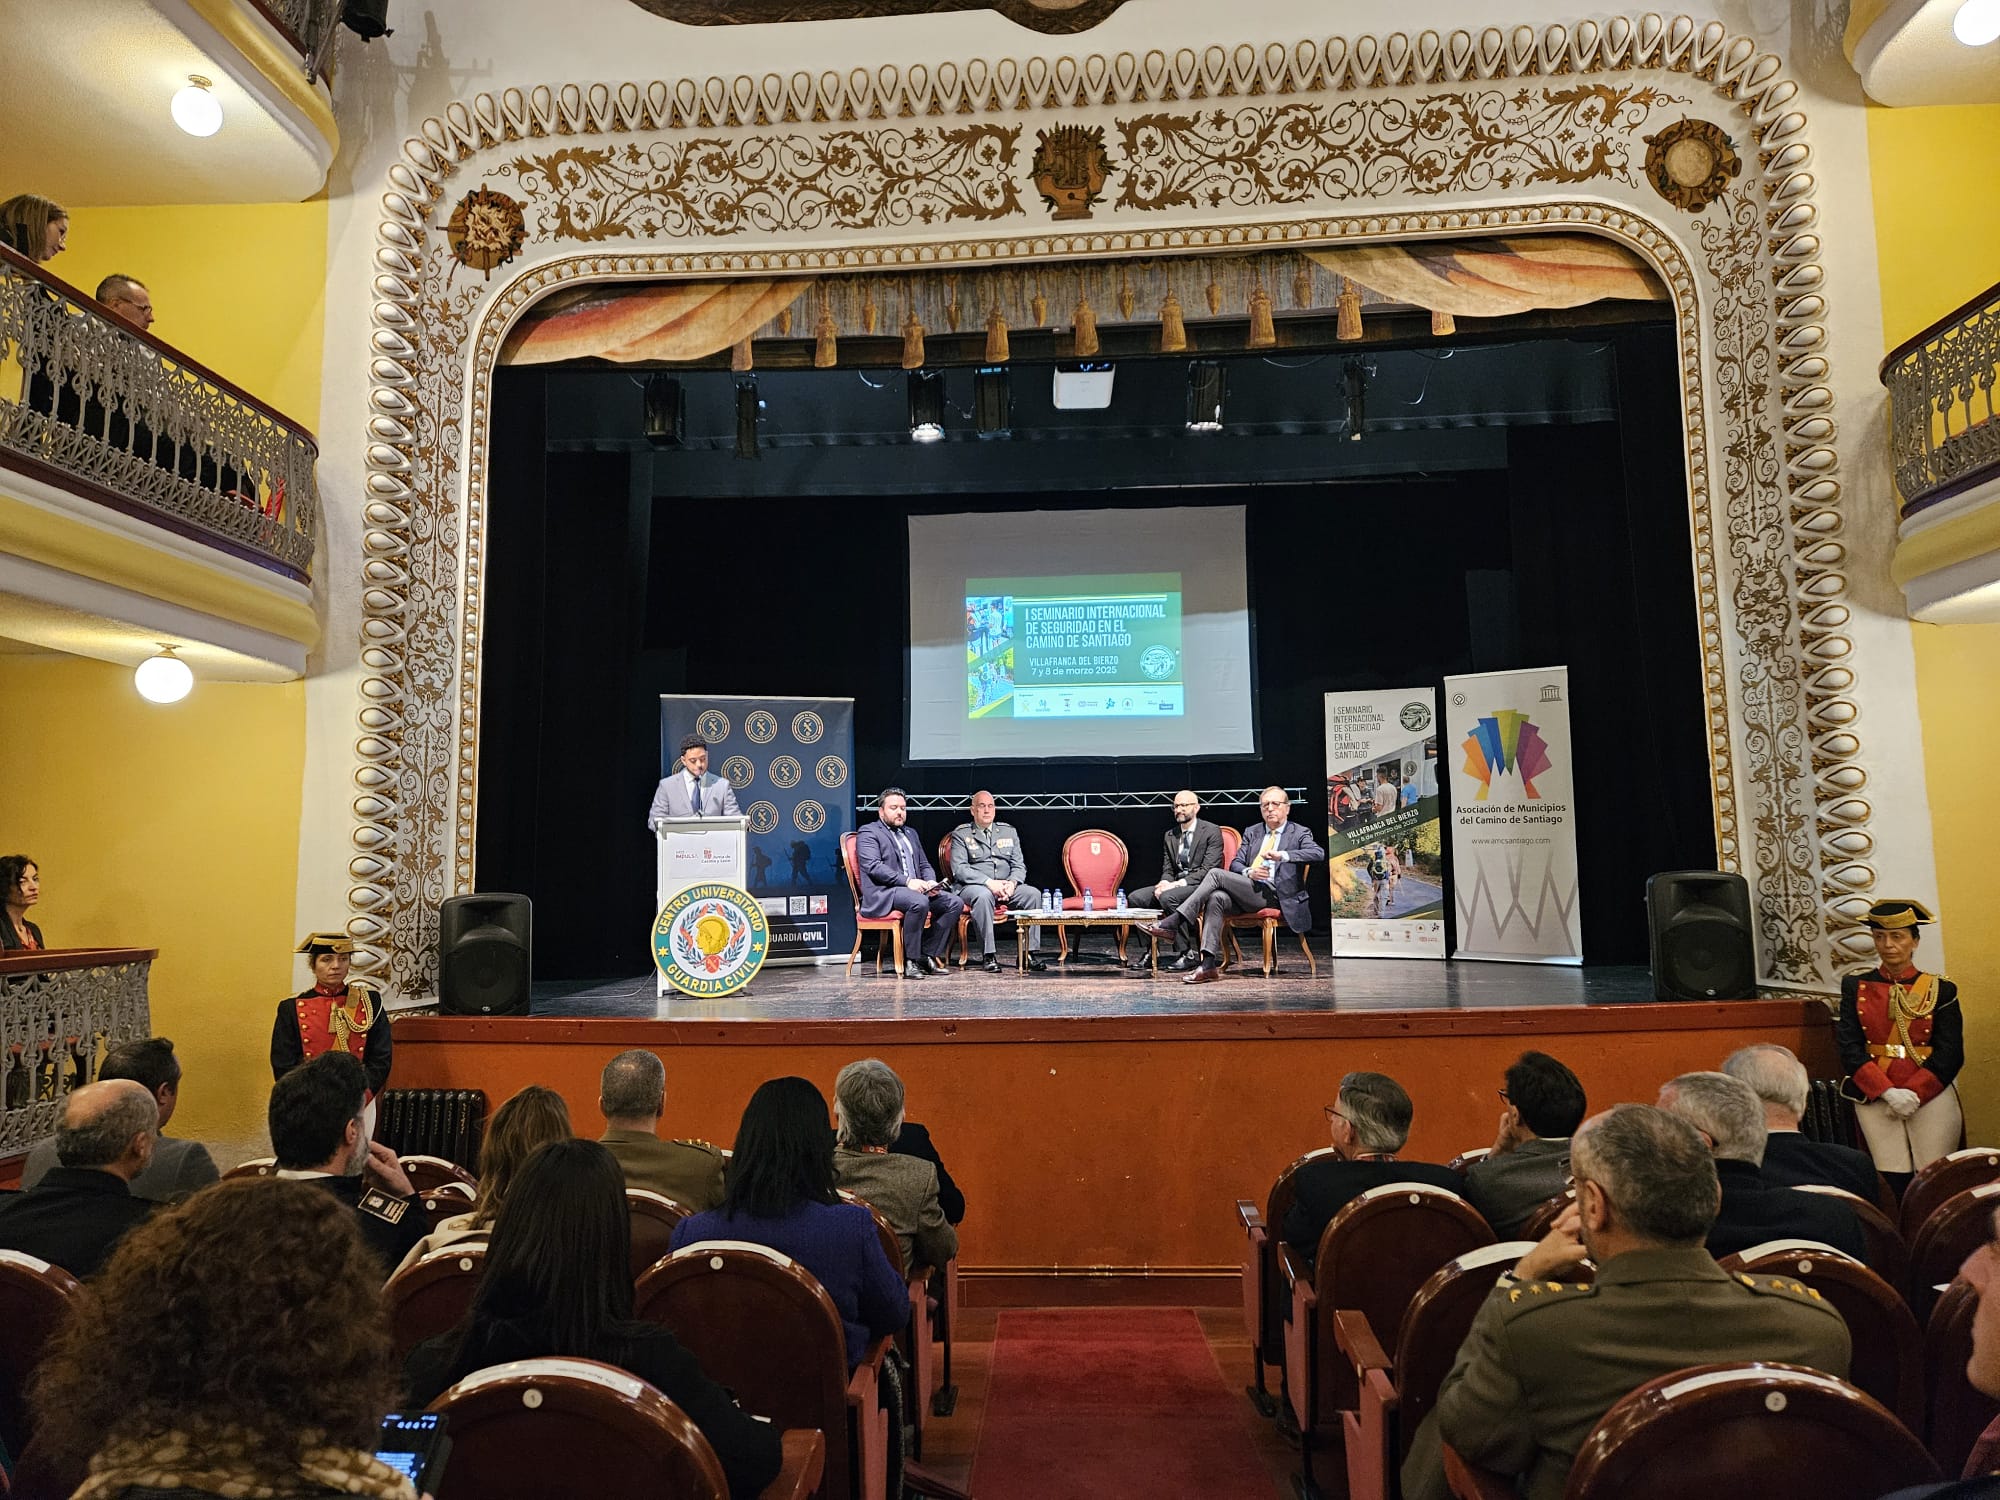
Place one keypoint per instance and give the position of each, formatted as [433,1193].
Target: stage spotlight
[749,410]
[1207,389]
[993,401]
[666,411]
[1355,376]
[926,391]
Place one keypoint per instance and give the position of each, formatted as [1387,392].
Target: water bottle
[1121,898]
[1088,903]
[1056,900]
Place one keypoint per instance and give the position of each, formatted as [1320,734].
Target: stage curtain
[1493,278]
[670,320]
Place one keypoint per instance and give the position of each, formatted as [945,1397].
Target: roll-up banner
[1513,829]
[790,762]
[1384,859]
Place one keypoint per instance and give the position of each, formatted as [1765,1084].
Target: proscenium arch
[1762,477]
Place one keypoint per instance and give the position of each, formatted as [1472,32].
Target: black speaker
[1700,936]
[485,955]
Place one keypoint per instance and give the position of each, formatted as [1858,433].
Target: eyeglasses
[1274,804]
[1333,1113]
[1503,1095]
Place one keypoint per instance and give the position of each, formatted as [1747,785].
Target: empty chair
[654,1217]
[1887,1256]
[1958,1227]
[1956,1411]
[1094,860]
[1778,1432]
[1372,1259]
[541,1427]
[1944,1179]
[34,1298]
[427,1172]
[429,1297]
[1264,1299]
[1888,1358]
[764,1328]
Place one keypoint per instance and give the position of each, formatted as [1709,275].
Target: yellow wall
[1937,223]
[172,827]
[239,287]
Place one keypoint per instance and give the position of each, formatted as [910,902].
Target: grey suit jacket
[176,1170]
[905,1190]
[670,799]
[1507,1189]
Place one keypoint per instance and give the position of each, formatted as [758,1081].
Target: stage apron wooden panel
[1115,1148]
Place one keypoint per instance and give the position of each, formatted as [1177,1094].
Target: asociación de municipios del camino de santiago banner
[1513,830]
[1385,861]
[790,762]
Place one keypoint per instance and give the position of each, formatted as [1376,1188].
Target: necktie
[1187,844]
[903,848]
[694,796]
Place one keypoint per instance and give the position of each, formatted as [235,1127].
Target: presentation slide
[1071,634]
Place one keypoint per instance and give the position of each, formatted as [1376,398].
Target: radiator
[433,1122]
[1829,1114]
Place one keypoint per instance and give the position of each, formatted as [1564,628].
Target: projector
[1084,387]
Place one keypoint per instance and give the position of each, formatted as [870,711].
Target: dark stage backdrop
[605,588]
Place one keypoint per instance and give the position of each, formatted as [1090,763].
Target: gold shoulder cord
[1907,1003]
[345,1022]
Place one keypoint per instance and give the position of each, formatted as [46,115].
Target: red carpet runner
[1089,1403]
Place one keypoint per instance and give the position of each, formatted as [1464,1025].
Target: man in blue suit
[896,875]
[692,792]
[1269,870]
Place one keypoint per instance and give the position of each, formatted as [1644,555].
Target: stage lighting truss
[1242,796]
[1207,390]
[926,406]
[749,412]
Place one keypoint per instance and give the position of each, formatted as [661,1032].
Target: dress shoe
[911,971]
[1036,963]
[1182,964]
[1164,931]
[937,966]
[1201,974]
[992,964]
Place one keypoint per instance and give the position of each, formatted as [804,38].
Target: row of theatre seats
[1365,1338]
[757,1321]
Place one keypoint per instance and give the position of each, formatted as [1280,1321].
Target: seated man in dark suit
[318,1137]
[1754,1209]
[1779,1081]
[914,1140]
[896,876]
[1529,1163]
[80,1209]
[178,1167]
[1369,1121]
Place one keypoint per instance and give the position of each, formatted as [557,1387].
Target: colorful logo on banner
[710,940]
[1502,742]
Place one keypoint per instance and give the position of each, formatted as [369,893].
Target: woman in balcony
[20,888]
[34,227]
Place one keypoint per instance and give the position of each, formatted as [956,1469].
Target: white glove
[1902,1103]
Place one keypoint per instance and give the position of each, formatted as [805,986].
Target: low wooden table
[1109,916]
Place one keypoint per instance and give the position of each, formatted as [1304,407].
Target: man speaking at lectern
[692,792]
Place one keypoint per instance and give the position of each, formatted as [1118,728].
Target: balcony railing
[59,1011]
[308,25]
[1945,429]
[94,406]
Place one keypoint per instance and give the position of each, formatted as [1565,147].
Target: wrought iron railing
[59,1011]
[1945,425]
[308,25]
[95,406]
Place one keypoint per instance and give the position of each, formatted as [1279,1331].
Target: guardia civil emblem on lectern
[710,940]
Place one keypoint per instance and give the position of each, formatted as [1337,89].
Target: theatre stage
[1102,1124]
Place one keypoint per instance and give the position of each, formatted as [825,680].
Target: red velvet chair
[1094,860]
[427,1172]
[1959,1226]
[259,1166]
[892,924]
[428,1298]
[1266,919]
[1000,912]
[655,1217]
[1264,1300]
[1956,1412]
[34,1300]
[1884,1251]
[1945,1179]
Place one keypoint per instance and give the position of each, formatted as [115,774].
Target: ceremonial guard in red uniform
[334,1015]
[1902,1041]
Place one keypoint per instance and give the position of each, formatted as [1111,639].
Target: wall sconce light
[196,110]
[164,678]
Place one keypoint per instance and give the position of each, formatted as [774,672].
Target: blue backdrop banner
[791,762]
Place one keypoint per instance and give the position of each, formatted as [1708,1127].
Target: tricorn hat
[1898,913]
[317,943]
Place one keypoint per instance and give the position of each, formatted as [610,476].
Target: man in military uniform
[318,1136]
[1545,1359]
[633,1095]
[1902,1040]
[333,1016]
[988,868]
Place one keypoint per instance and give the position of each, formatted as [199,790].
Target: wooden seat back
[1264,1298]
[1465,1159]
[1884,1250]
[34,1300]
[1944,1179]
[541,1427]
[1956,1411]
[1956,1228]
[1435,1324]
[428,1172]
[1095,860]
[430,1297]
[1888,1360]
[1779,1432]
[1543,1219]
[655,1217]
[261,1166]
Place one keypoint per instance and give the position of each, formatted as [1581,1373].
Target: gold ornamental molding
[1314,142]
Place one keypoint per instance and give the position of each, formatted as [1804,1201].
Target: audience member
[20,888]
[34,227]
[126,297]
[1779,1081]
[532,1118]
[868,1108]
[1754,1208]
[914,1140]
[558,1284]
[1369,1120]
[317,1133]
[84,1206]
[234,1346]
[780,1192]
[1537,1371]
[633,1095]
[1529,1163]
[1982,1369]
[177,1167]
